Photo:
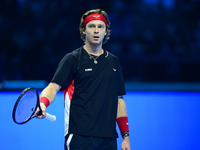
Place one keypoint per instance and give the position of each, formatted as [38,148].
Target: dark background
[155,40]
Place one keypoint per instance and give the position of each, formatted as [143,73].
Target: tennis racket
[26,106]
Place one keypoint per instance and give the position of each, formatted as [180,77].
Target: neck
[93,49]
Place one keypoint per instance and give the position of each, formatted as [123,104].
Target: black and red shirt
[91,92]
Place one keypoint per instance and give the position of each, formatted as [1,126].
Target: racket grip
[50,117]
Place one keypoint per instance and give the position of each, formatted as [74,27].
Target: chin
[98,42]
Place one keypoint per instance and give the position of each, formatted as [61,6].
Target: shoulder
[111,56]
[72,56]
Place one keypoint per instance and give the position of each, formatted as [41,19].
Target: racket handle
[50,117]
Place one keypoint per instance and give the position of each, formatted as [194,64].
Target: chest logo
[89,69]
[114,69]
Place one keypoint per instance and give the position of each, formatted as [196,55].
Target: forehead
[96,22]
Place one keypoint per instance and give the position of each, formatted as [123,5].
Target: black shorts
[79,142]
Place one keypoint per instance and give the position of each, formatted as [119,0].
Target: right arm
[50,93]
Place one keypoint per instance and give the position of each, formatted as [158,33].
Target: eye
[101,26]
[91,26]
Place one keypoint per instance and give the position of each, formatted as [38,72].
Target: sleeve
[65,71]
[121,86]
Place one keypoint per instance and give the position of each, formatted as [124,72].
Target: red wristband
[123,124]
[45,101]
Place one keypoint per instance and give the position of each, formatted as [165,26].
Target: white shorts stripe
[69,141]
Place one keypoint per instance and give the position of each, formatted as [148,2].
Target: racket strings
[26,106]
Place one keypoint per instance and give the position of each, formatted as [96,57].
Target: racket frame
[37,106]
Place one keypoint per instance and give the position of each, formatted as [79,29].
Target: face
[94,32]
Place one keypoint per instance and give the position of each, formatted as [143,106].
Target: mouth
[96,37]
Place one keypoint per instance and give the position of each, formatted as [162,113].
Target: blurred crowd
[155,40]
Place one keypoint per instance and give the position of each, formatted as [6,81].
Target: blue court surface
[158,121]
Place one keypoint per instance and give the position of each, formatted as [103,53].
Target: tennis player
[93,87]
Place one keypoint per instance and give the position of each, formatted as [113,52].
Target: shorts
[80,142]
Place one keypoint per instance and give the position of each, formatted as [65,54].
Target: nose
[96,30]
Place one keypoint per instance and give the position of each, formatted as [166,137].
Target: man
[93,87]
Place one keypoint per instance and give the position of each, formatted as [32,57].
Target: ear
[84,32]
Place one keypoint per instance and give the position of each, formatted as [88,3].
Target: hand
[43,107]
[126,144]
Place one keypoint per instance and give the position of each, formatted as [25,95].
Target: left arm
[122,122]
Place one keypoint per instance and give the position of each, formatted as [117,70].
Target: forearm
[122,119]
[121,110]
[50,92]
